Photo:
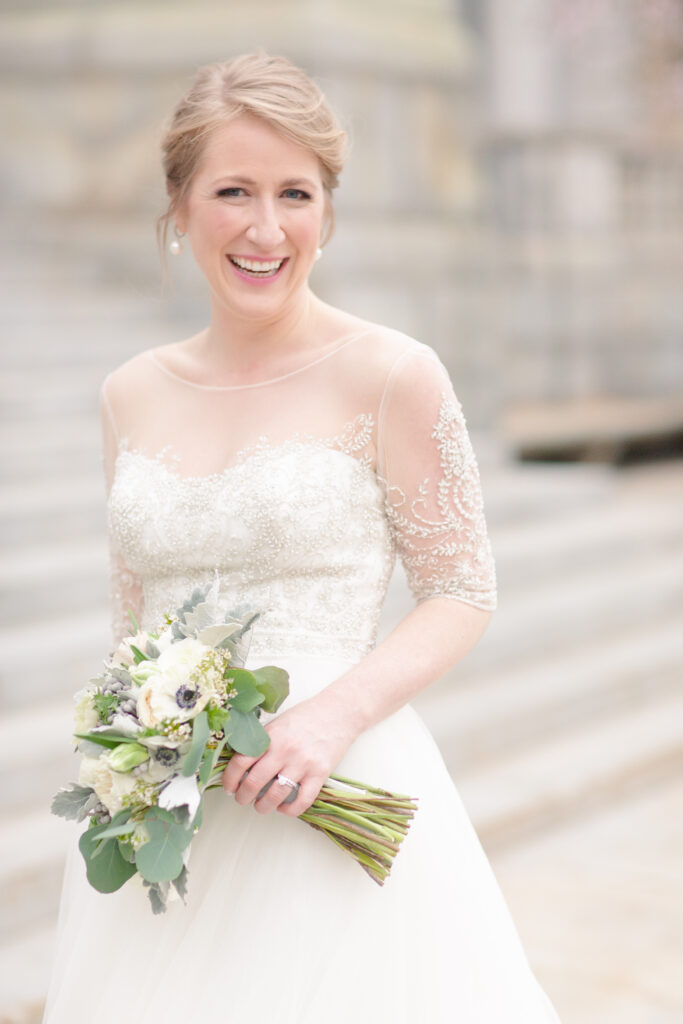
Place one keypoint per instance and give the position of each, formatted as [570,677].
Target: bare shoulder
[137,370]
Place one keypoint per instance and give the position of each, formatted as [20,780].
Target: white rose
[85,715]
[168,693]
[109,785]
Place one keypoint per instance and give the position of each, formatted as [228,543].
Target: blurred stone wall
[514,195]
[582,141]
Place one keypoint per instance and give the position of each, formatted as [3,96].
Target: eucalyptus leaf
[75,802]
[200,735]
[248,694]
[161,858]
[106,869]
[124,828]
[273,683]
[246,735]
[127,851]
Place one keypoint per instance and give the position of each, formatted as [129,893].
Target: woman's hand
[307,742]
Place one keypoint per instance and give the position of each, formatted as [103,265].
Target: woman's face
[253,216]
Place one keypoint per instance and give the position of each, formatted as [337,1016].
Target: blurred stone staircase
[572,696]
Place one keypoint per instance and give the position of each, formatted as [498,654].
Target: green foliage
[273,683]
[217,718]
[127,851]
[107,870]
[246,735]
[152,650]
[209,762]
[156,897]
[160,859]
[180,883]
[248,694]
[138,656]
[75,802]
[104,703]
[108,739]
[200,735]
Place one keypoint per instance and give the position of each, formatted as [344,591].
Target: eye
[229,193]
[296,193]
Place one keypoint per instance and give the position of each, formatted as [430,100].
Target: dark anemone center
[186,697]
[167,756]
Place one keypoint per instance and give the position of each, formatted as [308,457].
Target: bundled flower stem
[370,826]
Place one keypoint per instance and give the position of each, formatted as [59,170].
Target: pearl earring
[175,246]
[318,253]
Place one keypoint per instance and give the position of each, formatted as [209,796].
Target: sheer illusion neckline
[351,442]
[327,352]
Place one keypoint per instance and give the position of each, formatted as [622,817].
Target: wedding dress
[300,491]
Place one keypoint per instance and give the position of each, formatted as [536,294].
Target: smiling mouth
[257,268]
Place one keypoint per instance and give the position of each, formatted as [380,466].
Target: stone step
[52,659]
[477,715]
[61,510]
[572,774]
[53,579]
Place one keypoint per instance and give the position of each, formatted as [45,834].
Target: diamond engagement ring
[285,781]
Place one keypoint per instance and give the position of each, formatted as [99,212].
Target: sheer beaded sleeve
[433,496]
[125,589]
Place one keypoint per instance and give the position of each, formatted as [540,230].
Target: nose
[264,230]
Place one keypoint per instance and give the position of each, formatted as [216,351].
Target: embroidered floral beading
[304,530]
[441,532]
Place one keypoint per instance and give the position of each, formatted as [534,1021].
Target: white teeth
[257,266]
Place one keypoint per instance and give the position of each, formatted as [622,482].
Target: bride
[295,449]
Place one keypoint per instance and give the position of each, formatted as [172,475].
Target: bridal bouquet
[156,730]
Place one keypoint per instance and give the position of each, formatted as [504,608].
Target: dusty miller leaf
[74,803]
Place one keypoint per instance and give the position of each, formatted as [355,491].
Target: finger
[236,767]
[251,784]
[306,796]
[275,795]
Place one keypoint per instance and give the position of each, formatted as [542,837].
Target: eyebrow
[287,183]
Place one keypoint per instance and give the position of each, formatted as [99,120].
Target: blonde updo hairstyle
[270,88]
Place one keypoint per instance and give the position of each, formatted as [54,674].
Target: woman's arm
[309,740]
[434,510]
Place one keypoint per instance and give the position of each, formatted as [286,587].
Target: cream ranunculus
[169,693]
[109,785]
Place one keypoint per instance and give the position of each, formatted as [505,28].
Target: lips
[257,268]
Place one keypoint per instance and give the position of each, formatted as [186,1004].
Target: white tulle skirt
[282,927]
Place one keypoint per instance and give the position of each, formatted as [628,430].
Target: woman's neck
[235,346]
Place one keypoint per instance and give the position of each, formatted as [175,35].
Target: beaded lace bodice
[303,513]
